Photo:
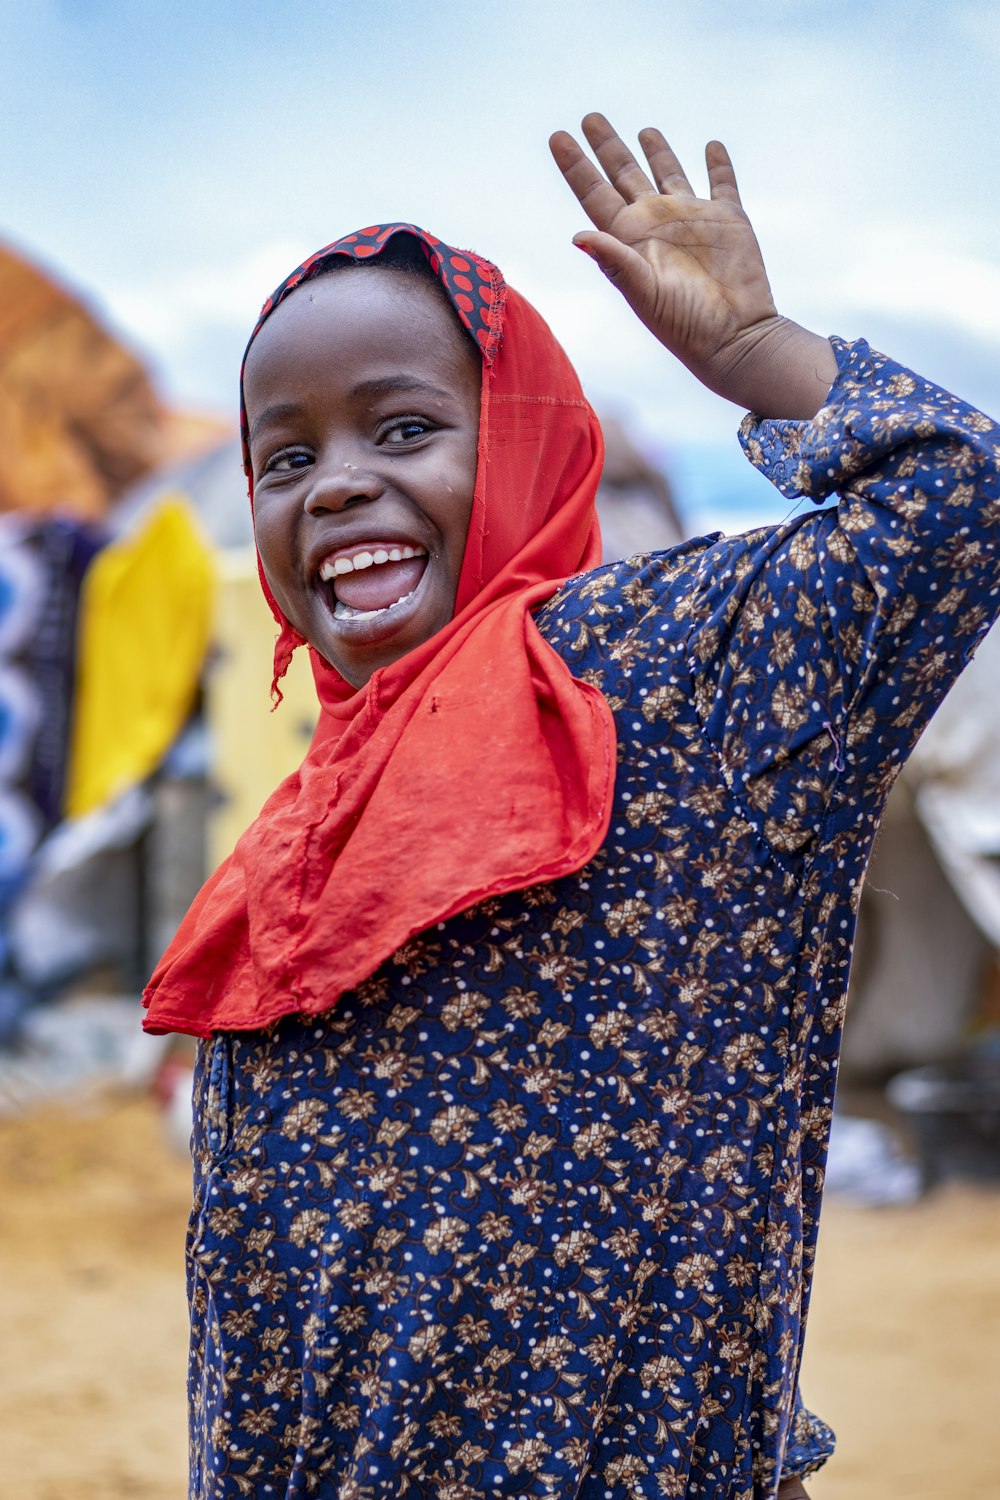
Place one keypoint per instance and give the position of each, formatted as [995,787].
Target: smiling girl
[521,1000]
[364,392]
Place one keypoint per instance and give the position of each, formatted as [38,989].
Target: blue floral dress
[533,1211]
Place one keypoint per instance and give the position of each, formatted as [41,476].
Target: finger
[623,171]
[595,194]
[721,177]
[668,174]
[620,263]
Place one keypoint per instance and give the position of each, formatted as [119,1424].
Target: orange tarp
[79,420]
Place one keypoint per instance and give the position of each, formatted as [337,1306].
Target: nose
[340,482]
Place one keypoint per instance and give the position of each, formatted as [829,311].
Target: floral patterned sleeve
[821,647]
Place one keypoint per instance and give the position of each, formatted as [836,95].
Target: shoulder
[625,591]
[659,593]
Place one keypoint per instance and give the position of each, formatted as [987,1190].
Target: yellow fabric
[252,748]
[145,618]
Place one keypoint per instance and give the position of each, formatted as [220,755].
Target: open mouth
[370,580]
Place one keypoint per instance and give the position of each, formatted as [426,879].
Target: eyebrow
[386,385]
[279,412]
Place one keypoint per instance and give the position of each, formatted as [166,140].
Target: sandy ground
[904,1356]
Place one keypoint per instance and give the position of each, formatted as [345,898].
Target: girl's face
[362,402]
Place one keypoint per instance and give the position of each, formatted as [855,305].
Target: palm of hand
[690,267]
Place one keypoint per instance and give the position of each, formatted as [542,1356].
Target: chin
[362,648]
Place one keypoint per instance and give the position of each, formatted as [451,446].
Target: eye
[406,430]
[286,461]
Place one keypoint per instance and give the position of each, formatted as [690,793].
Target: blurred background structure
[164,168]
[104,628]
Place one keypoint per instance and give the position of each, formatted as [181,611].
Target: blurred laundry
[955,776]
[42,561]
[104,627]
[143,637]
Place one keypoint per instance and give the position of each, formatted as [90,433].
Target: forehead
[342,325]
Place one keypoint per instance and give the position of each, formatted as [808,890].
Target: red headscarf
[472,766]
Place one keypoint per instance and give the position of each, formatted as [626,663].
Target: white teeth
[360,560]
[342,611]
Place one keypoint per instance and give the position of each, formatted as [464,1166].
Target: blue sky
[173,162]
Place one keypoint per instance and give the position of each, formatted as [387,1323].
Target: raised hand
[692,270]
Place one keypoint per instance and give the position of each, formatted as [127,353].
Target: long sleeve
[823,646]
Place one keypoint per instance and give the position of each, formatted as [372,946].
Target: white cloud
[926,283]
[169,311]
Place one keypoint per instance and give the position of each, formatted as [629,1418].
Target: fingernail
[582,245]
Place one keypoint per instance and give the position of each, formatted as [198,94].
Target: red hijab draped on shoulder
[472,766]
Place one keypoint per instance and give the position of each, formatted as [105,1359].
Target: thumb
[613,258]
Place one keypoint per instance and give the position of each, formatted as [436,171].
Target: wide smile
[372,585]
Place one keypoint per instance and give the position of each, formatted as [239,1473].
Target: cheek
[464,488]
[269,535]
[453,523]
[275,556]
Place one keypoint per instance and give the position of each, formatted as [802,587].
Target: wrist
[775,369]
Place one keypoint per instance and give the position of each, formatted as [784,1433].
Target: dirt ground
[904,1343]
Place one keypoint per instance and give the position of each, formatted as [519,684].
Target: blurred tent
[925,963]
[955,776]
[213,481]
[635,501]
[79,419]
